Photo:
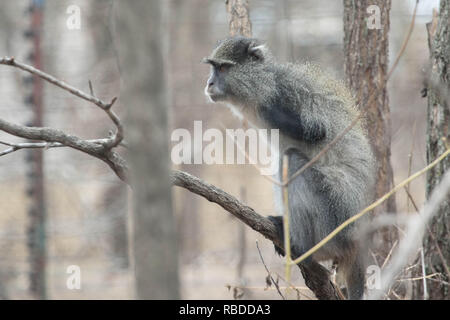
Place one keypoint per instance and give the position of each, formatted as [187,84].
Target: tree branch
[27,145]
[40,145]
[55,136]
[213,194]
[105,106]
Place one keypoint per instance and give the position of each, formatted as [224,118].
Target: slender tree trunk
[437,259]
[143,33]
[37,228]
[366,65]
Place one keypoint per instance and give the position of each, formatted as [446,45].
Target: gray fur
[310,109]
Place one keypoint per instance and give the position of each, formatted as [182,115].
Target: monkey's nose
[210,84]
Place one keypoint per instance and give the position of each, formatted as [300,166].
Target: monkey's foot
[278,222]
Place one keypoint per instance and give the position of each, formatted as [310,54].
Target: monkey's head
[231,63]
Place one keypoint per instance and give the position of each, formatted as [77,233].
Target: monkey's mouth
[213,94]
[213,97]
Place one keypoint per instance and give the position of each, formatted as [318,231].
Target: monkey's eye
[222,68]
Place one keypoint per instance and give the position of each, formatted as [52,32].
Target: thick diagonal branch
[244,213]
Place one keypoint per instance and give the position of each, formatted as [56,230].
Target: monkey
[309,108]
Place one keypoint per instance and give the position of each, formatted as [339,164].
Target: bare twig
[389,254]
[286,222]
[91,89]
[297,289]
[40,145]
[105,106]
[424,274]
[268,272]
[31,145]
[419,278]
[410,158]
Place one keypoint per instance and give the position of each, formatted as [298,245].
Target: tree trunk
[37,214]
[438,118]
[143,35]
[366,65]
[239,18]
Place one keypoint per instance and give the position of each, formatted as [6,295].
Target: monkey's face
[216,88]
[231,63]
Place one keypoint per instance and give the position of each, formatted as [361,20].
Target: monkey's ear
[257,51]
[206,60]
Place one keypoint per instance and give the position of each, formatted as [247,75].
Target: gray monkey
[309,108]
